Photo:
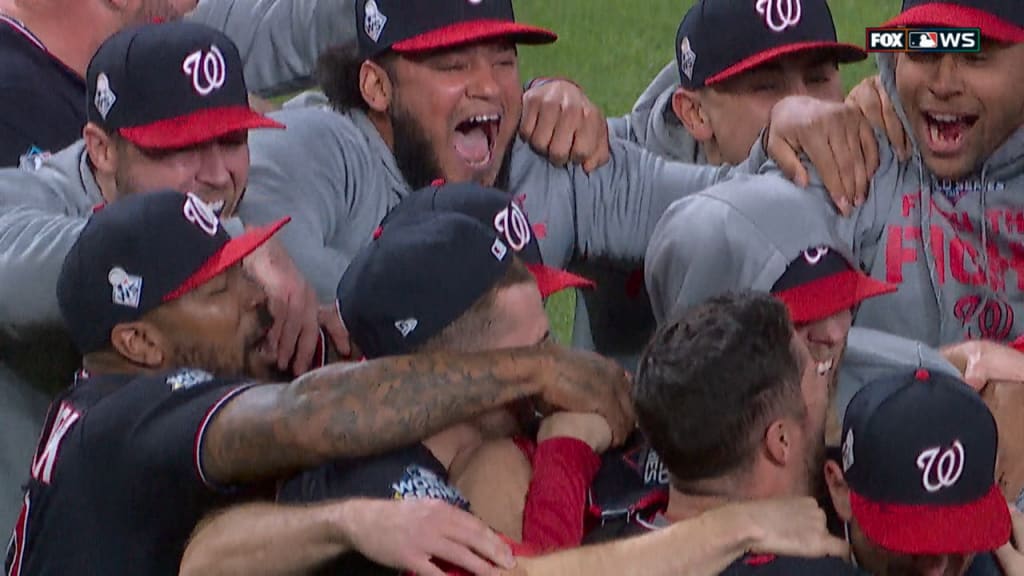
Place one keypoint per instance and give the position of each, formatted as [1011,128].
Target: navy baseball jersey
[42,101]
[403,474]
[117,484]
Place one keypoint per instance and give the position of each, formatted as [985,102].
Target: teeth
[825,367]
[217,206]
[485,118]
[945,117]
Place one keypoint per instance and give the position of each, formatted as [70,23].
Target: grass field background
[613,48]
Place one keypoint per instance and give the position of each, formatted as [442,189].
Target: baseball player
[943,225]
[712,103]
[170,327]
[167,108]
[445,281]
[387,137]
[729,397]
[915,486]
[46,51]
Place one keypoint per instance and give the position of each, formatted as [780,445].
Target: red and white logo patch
[942,468]
[780,14]
[207,70]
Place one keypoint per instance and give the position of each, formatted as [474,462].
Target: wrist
[734,529]
[338,520]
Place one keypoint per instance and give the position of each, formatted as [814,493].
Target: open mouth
[826,366]
[947,132]
[217,207]
[474,139]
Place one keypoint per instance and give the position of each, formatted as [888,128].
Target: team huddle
[341,335]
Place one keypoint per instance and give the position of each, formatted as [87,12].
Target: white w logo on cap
[780,14]
[207,69]
[941,471]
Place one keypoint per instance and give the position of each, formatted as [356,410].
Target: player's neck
[453,442]
[58,25]
[105,363]
[701,496]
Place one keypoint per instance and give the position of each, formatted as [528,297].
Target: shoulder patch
[187,378]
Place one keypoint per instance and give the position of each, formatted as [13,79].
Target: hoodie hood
[741,234]
[653,124]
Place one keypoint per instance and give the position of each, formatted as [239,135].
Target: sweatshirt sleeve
[555,503]
[617,206]
[309,171]
[280,40]
[37,231]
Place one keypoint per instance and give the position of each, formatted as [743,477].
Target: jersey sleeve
[563,469]
[167,426]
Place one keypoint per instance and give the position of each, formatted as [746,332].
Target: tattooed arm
[345,411]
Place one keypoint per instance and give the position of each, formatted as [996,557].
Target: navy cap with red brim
[957,16]
[824,297]
[230,254]
[472,31]
[844,53]
[199,127]
[979,526]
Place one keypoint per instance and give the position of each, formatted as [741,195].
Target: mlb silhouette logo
[126,288]
[924,40]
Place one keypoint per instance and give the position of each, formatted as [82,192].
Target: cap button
[922,375]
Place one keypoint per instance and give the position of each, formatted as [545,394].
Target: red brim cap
[953,16]
[843,52]
[980,526]
[821,298]
[551,280]
[230,254]
[474,31]
[196,128]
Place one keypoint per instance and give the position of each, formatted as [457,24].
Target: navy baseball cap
[139,253]
[494,208]
[170,85]
[719,39]
[919,456]
[1000,20]
[416,279]
[822,282]
[413,26]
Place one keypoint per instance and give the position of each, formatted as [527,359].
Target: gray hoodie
[741,235]
[963,278]
[653,124]
[335,176]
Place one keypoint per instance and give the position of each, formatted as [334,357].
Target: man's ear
[838,490]
[376,86]
[780,442]
[688,108]
[103,153]
[141,343]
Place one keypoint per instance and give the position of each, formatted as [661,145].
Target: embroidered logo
[405,327]
[499,250]
[942,468]
[201,214]
[188,378]
[374,22]
[127,289]
[814,255]
[105,97]
[687,58]
[780,14]
[513,224]
[848,451]
[207,70]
